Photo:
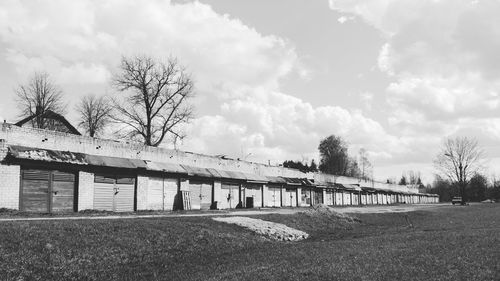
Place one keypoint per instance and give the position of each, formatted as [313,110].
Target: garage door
[347,198]
[162,193]
[114,193]
[305,197]
[230,196]
[47,191]
[355,198]
[253,191]
[291,197]
[317,197]
[338,196]
[274,197]
[200,194]
[329,198]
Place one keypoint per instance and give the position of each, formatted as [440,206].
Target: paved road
[250,212]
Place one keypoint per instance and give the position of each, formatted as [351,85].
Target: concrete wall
[44,139]
[85,191]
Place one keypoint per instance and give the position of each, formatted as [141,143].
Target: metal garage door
[114,193]
[291,197]
[253,191]
[162,193]
[329,198]
[230,196]
[274,196]
[317,196]
[305,196]
[47,191]
[200,194]
[347,198]
[355,198]
[338,197]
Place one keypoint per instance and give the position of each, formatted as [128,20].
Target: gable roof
[49,114]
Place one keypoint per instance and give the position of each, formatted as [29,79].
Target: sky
[273,78]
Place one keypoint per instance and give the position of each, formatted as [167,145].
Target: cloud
[344,19]
[440,54]
[276,126]
[85,39]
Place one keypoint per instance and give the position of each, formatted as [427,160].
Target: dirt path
[250,212]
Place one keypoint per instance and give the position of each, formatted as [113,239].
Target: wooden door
[35,191]
[47,191]
[63,191]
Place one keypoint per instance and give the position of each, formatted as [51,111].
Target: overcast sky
[275,77]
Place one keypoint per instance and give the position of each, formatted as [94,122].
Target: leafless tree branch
[153,98]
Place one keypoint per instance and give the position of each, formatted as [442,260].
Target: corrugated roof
[115,162]
[307,182]
[48,155]
[198,172]
[368,189]
[255,178]
[292,181]
[272,179]
[165,167]
[349,186]
[22,152]
[230,174]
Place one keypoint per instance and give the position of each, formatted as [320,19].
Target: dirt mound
[322,210]
[272,230]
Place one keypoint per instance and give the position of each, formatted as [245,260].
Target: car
[456,200]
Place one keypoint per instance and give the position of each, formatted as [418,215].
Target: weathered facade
[47,171]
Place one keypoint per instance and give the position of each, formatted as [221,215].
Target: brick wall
[9,186]
[85,191]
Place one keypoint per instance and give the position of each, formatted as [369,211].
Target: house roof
[49,114]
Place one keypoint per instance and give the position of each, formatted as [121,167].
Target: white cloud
[442,58]
[276,126]
[344,19]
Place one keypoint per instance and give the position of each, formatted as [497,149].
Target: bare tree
[155,102]
[95,113]
[459,160]
[38,96]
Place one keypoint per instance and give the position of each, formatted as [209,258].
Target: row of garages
[56,181]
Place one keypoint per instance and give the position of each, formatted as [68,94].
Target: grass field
[449,243]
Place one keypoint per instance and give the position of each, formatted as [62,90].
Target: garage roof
[197,172]
[272,179]
[115,162]
[349,186]
[292,181]
[165,167]
[22,152]
[255,178]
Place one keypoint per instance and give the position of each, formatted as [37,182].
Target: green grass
[449,243]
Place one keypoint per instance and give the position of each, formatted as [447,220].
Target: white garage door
[253,191]
[274,197]
[162,193]
[230,196]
